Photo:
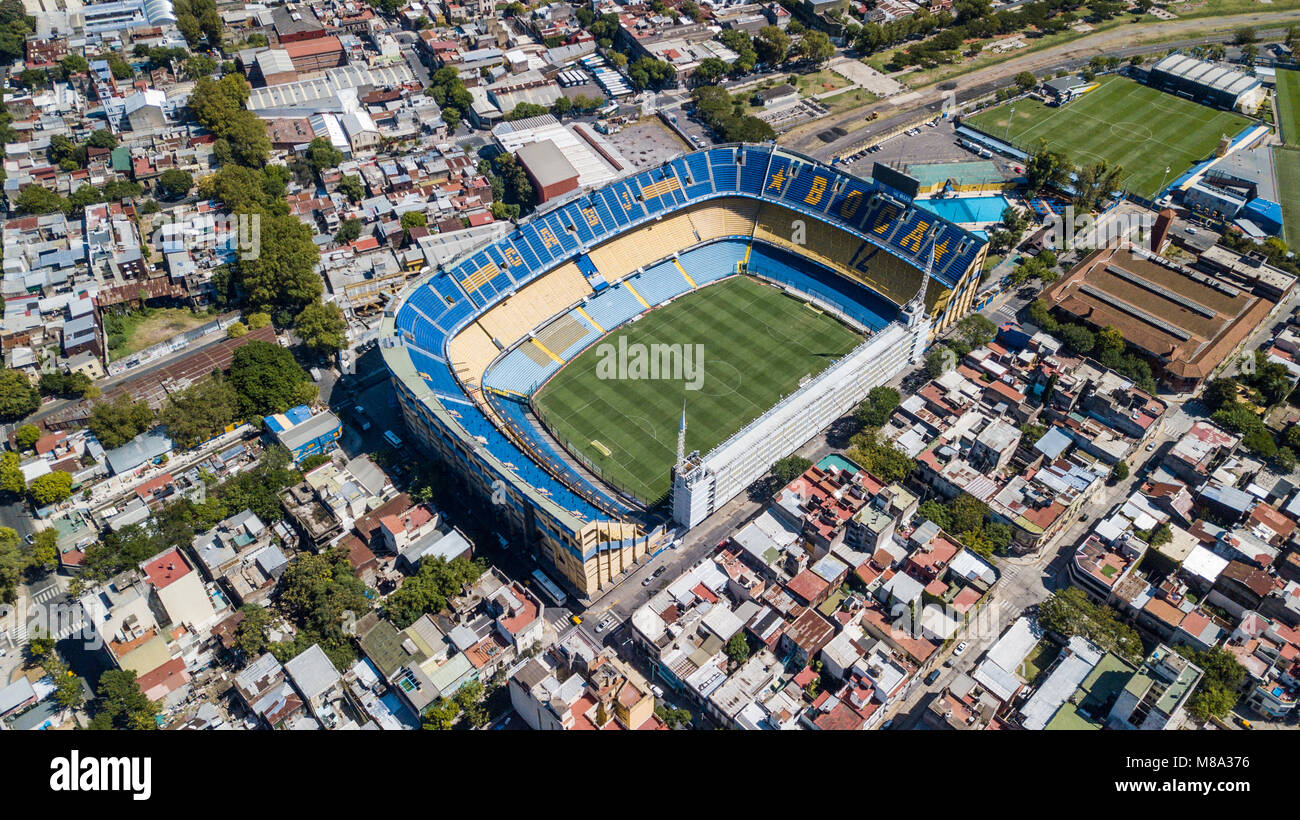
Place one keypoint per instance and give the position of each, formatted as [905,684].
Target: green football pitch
[1286,161]
[757,345]
[1288,105]
[1123,122]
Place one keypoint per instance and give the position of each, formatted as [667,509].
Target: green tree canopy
[18,397]
[268,380]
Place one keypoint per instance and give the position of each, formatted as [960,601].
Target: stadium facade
[1207,83]
[469,343]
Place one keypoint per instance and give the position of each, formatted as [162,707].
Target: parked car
[932,677]
[961,647]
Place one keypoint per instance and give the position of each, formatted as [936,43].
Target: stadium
[804,285]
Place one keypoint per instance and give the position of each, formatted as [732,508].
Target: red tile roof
[166,568]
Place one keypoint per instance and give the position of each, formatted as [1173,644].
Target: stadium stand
[567,336]
[520,372]
[532,305]
[660,283]
[727,217]
[712,262]
[470,354]
[636,249]
[443,326]
[612,307]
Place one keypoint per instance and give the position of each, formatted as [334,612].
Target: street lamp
[1162,181]
[1007,136]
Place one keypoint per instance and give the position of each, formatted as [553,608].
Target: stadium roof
[1210,75]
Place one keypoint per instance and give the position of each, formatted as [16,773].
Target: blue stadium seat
[712,262]
[518,373]
[612,307]
[723,165]
[855,301]
[660,283]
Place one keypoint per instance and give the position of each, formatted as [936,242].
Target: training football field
[1288,105]
[1123,122]
[1286,161]
[757,345]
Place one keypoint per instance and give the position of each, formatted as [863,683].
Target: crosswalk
[47,594]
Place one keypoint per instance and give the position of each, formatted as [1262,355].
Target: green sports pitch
[758,343]
[1123,122]
[1286,161]
[1288,105]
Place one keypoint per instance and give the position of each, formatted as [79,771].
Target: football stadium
[1143,129]
[771,292]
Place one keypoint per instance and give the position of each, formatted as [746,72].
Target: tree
[877,407]
[250,635]
[284,273]
[322,328]
[44,554]
[1095,182]
[428,590]
[414,219]
[322,155]
[236,330]
[976,330]
[440,716]
[709,71]
[175,183]
[117,422]
[884,461]
[788,469]
[966,513]
[11,477]
[348,231]
[257,320]
[1069,612]
[771,44]
[1025,80]
[121,704]
[316,593]
[351,187]
[18,398]
[74,64]
[469,699]
[815,47]
[1219,688]
[50,488]
[12,563]
[1045,169]
[1119,472]
[200,412]
[525,110]
[1078,338]
[647,72]
[26,436]
[737,648]
[35,199]
[268,380]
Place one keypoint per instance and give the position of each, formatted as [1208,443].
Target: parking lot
[648,142]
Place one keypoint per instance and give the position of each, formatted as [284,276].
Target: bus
[549,587]
[391,438]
